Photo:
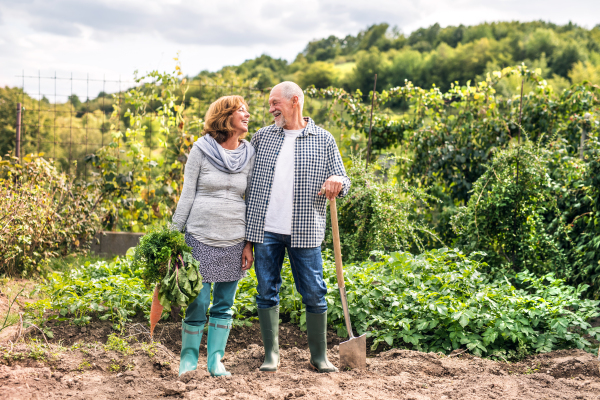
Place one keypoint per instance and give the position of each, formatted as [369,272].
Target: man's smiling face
[281,108]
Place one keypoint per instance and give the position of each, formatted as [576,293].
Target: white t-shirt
[281,202]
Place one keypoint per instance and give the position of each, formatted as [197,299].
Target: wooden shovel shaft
[337,251]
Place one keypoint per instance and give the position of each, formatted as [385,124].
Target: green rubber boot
[218,333]
[269,329]
[316,328]
[190,344]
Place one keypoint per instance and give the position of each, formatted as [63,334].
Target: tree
[74,100]
[320,74]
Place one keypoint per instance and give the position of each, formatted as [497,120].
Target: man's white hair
[290,89]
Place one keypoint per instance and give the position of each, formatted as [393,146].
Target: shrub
[577,192]
[43,214]
[546,221]
[377,214]
[505,216]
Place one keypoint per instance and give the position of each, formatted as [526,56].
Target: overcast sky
[112,38]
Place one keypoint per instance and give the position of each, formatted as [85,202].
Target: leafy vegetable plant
[113,290]
[166,260]
[182,283]
[439,301]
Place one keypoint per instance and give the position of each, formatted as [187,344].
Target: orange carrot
[155,311]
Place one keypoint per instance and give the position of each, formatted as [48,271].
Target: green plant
[164,258]
[114,366]
[378,214]
[83,366]
[182,283]
[149,348]
[37,350]
[155,252]
[546,220]
[35,314]
[577,192]
[10,319]
[44,214]
[112,290]
[439,301]
[505,216]
[118,344]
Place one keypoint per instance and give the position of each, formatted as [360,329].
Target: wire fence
[67,118]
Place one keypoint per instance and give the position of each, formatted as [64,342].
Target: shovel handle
[339,268]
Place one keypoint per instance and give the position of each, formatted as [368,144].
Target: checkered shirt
[316,158]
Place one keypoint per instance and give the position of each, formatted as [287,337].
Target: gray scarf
[231,161]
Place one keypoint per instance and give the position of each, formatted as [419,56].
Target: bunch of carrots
[167,263]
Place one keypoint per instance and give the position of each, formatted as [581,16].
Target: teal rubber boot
[316,328]
[218,333]
[269,329]
[190,345]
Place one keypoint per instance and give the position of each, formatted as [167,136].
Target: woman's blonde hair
[217,122]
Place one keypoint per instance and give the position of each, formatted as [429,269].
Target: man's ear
[295,101]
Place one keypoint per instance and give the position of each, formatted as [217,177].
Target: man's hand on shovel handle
[331,187]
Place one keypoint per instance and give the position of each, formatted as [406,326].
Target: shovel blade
[353,353]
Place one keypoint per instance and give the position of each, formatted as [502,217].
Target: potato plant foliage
[436,301]
[112,291]
[440,301]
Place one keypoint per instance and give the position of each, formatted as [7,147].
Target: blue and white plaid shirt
[316,158]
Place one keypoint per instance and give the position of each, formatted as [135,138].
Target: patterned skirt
[217,264]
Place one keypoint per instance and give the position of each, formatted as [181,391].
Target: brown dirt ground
[75,365]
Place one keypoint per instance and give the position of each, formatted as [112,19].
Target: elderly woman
[212,210]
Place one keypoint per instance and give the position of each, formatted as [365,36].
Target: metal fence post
[18,139]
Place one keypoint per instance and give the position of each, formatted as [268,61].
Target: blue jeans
[307,269]
[223,297]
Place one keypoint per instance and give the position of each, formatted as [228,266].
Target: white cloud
[115,37]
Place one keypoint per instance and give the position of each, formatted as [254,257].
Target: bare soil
[76,365]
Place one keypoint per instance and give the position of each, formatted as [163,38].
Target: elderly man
[295,161]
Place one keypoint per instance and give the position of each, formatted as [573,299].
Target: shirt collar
[309,129]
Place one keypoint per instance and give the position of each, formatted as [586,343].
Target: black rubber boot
[316,328]
[269,329]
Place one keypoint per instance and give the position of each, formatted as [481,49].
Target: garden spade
[353,352]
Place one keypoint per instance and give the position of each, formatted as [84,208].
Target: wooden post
[18,138]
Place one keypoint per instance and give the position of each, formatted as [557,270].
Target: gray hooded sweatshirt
[212,205]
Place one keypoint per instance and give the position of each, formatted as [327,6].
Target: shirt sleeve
[188,193]
[255,140]
[335,166]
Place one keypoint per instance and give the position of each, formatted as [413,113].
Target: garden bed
[88,362]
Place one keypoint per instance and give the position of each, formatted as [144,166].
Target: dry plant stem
[371,122]
[479,198]
[20,331]
[43,335]
[519,153]
[9,308]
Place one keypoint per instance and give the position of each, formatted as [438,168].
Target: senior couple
[245,203]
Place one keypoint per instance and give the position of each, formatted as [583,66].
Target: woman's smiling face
[240,120]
